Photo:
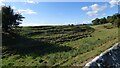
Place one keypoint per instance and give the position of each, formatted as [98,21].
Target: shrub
[98,38]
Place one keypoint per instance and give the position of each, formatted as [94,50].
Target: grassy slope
[82,50]
[107,37]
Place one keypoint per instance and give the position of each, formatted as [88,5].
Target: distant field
[58,45]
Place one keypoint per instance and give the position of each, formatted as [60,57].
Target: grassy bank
[58,45]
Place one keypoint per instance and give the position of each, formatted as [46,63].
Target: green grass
[64,46]
[92,46]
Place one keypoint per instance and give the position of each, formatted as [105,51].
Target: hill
[57,45]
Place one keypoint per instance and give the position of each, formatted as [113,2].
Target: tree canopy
[96,21]
[10,19]
[115,20]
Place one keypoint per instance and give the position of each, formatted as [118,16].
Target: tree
[117,22]
[0,19]
[110,19]
[96,21]
[10,19]
[103,21]
[115,19]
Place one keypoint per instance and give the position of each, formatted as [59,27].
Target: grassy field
[58,45]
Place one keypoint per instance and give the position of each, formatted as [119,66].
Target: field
[72,45]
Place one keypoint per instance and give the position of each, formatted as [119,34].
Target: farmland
[71,45]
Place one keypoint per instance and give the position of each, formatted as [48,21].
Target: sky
[62,13]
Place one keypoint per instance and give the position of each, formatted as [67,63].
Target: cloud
[31,1]
[92,13]
[1,2]
[23,11]
[13,7]
[85,8]
[26,11]
[86,22]
[113,3]
[96,7]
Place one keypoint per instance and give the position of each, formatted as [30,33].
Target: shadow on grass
[25,46]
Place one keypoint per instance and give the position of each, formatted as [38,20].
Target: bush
[98,38]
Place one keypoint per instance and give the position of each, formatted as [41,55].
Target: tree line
[115,20]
